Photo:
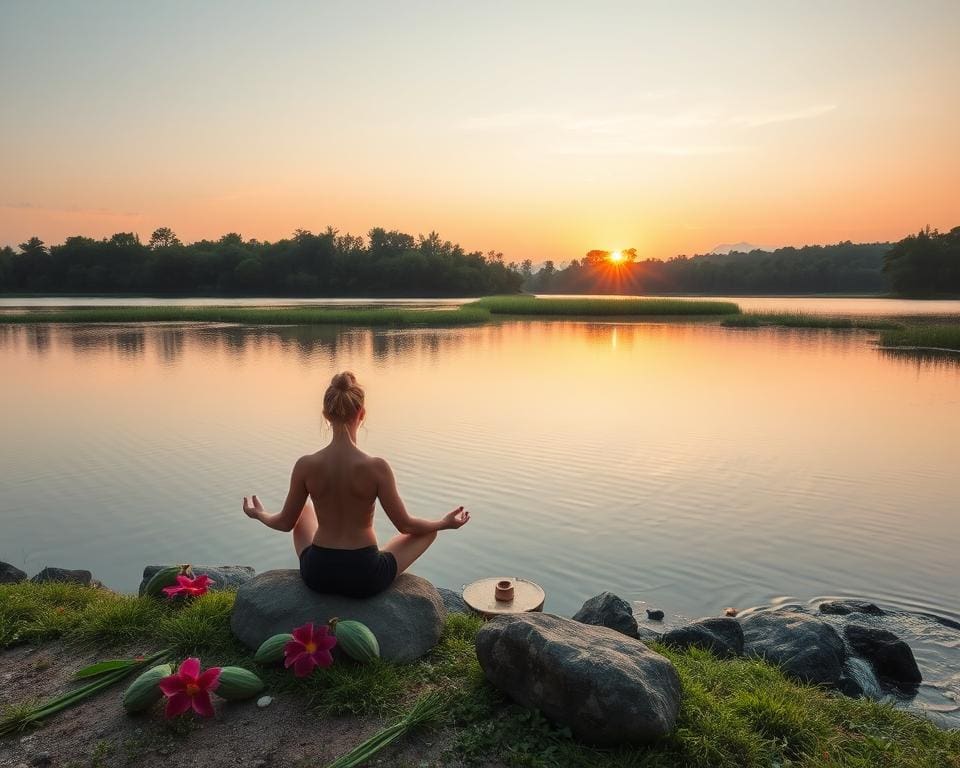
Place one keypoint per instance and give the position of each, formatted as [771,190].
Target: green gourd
[166,577]
[145,691]
[237,683]
[355,639]
[271,649]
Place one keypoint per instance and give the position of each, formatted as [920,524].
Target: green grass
[358,316]
[738,713]
[801,320]
[924,337]
[531,305]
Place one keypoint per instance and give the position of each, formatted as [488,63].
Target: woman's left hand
[254,510]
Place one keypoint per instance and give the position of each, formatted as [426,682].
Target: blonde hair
[343,399]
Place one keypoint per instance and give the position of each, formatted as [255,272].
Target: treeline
[925,264]
[327,264]
[842,268]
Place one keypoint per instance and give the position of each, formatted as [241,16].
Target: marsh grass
[532,305]
[945,337]
[356,316]
[734,714]
[801,320]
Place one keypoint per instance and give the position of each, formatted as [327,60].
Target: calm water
[689,467]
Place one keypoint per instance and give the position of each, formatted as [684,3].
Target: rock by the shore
[720,635]
[607,687]
[10,574]
[803,647]
[890,657]
[223,576]
[65,575]
[647,635]
[608,610]
[407,618]
[845,607]
[453,601]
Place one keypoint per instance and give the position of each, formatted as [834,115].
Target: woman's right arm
[404,522]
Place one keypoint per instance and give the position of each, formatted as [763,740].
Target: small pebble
[41,759]
[730,611]
[264,701]
[655,614]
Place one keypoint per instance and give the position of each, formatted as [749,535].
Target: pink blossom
[189,687]
[309,648]
[190,587]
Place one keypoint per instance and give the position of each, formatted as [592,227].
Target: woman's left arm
[292,507]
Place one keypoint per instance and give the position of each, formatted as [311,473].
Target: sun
[616,257]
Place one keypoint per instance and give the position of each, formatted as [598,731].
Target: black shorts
[349,572]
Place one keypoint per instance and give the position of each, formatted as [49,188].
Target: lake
[684,466]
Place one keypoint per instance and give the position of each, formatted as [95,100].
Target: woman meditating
[330,507]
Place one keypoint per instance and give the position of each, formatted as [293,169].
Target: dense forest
[396,264]
[842,268]
[925,264]
[327,264]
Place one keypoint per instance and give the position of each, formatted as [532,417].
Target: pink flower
[189,687]
[309,648]
[187,586]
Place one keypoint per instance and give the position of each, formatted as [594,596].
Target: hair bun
[343,399]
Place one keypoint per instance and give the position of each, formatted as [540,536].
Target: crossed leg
[407,547]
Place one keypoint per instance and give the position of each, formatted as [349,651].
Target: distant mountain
[725,248]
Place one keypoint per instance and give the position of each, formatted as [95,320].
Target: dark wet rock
[607,687]
[453,601]
[720,635]
[407,618]
[223,576]
[844,607]
[655,614]
[849,687]
[804,648]
[66,576]
[890,657]
[10,574]
[608,610]
[647,635]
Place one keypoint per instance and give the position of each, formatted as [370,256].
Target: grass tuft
[532,305]
[357,316]
[801,320]
[945,337]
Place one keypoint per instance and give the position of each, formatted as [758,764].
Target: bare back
[342,483]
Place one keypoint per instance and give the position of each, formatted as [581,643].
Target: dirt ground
[98,733]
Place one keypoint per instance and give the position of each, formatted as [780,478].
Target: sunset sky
[539,129]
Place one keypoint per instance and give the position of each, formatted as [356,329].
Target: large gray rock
[224,576]
[65,575]
[845,607]
[720,635]
[889,656]
[407,618]
[607,687]
[804,648]
[608,610]
[10,574]
[453,601]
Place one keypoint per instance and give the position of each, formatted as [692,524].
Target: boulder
[606,687]
[10,574]
[889,656]
[407,618]
[453,601]
[647,635]
[803,647]
[844,607]
[65,575]
[720,635]
[224,576]
[608,610]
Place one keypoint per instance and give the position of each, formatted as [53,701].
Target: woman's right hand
[456,519]
[255,510]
